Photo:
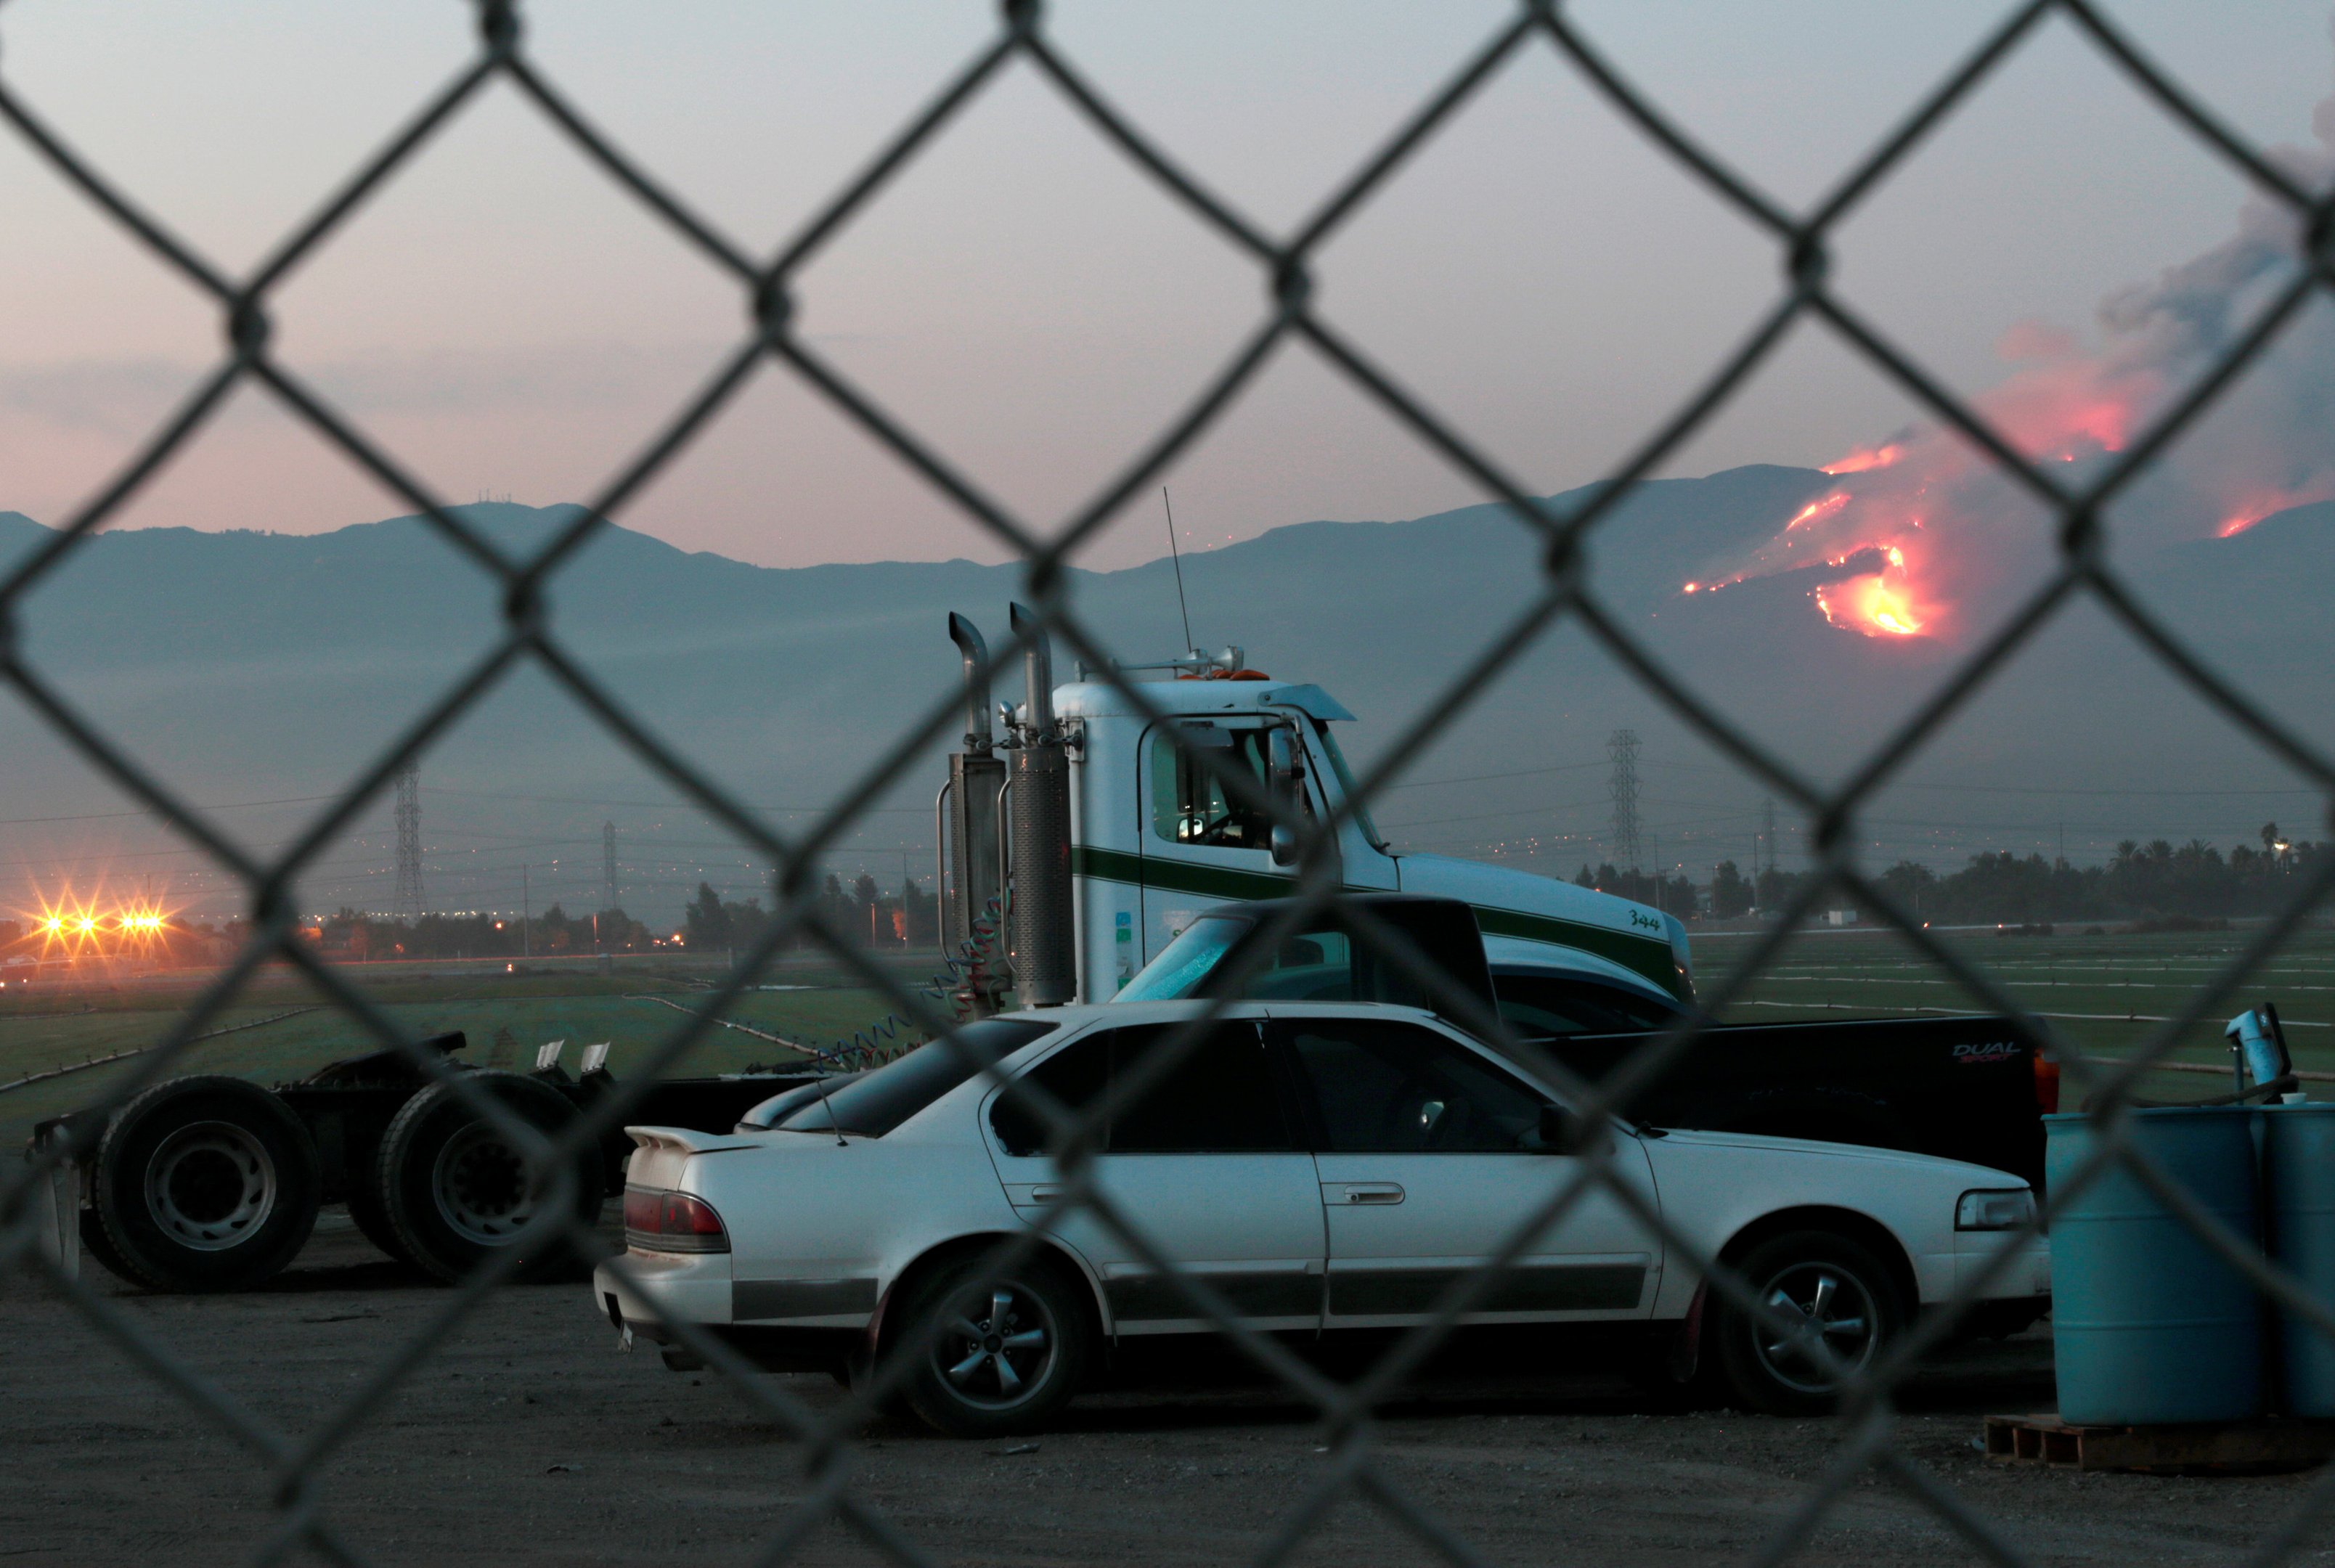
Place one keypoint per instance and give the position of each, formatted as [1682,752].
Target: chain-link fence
[1568,591]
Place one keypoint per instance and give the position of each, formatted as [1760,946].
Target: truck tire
[1008,1354]
[96,1244]
[371,1213]
[454,1191]
[1825,1277]
[205,1184]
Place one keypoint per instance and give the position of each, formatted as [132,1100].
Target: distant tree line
[352,934]
[862,913]
[2155,880]
[1672,895]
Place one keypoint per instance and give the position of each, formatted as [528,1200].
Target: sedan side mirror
[1561,1131]
[1556,1129]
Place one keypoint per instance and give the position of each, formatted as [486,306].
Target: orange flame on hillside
[2255,508]
[1910,498]
[1816,511]
[1953,535]
[1866,459]
[1879,604]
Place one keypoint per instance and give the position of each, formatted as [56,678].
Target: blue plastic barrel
[2148,1325]
[2299,1210]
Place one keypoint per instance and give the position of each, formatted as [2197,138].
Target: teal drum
[2148,1325]
[2299,1201]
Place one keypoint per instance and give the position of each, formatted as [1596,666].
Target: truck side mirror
[1284,762]
[1287,760]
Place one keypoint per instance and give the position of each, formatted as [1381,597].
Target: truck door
[1200,846]
[1428,1158]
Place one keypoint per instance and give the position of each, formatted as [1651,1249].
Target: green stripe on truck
[1646,956]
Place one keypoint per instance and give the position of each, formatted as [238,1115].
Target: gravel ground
[527,1439]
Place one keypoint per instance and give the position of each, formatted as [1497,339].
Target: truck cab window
[1189,805]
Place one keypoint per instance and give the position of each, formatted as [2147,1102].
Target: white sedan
[1321,1167]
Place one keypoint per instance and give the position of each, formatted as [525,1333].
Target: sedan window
[1379,1087]
[1219,1099]
[873,1106]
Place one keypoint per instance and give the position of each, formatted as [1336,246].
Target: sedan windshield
[872,1105]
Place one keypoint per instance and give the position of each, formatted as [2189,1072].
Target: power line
[1621,746]
[409,896]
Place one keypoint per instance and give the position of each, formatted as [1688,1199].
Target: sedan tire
[1834,1291]
[1009,1351]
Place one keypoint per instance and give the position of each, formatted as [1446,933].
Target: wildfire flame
[1816,511]
[1950,532]
[1865,459]
[2255,508]
[1873,603]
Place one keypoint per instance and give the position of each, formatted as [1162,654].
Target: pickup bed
[1963,1089]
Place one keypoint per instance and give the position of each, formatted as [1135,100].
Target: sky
[507,322]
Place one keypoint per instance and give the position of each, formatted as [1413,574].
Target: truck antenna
[1177,556]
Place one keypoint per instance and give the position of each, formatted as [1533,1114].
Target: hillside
[248,665]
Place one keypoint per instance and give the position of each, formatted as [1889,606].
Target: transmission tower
[409,895]
[608,864]
[1622,747]
[1768,835]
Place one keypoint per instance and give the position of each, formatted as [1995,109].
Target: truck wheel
[454,1190]
[1008,1354]
[97,1245]
[205,1184]
[370,1214]
[1838,1288]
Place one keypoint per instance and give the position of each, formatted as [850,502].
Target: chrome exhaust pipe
[978,738]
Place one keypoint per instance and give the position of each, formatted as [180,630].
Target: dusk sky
[507,322]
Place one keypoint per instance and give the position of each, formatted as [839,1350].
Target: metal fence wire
[1566,591]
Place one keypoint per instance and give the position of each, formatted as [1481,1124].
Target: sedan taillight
[659,1221]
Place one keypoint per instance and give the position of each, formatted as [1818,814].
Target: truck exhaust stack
[1040,937]
[968,805]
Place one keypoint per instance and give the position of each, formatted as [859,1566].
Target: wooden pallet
[2222,1447]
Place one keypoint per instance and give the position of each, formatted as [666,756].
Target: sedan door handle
[1380,1193]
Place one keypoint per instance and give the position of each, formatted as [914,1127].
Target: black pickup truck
[1963,1087]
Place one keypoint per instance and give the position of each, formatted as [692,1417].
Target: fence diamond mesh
[1350,1466]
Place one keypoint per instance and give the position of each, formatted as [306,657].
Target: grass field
[506,1016]
[2106,994]
[2103,993]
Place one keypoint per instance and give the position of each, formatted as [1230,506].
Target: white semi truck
[1101,834]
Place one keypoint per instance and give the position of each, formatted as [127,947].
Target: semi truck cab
[1100,834]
